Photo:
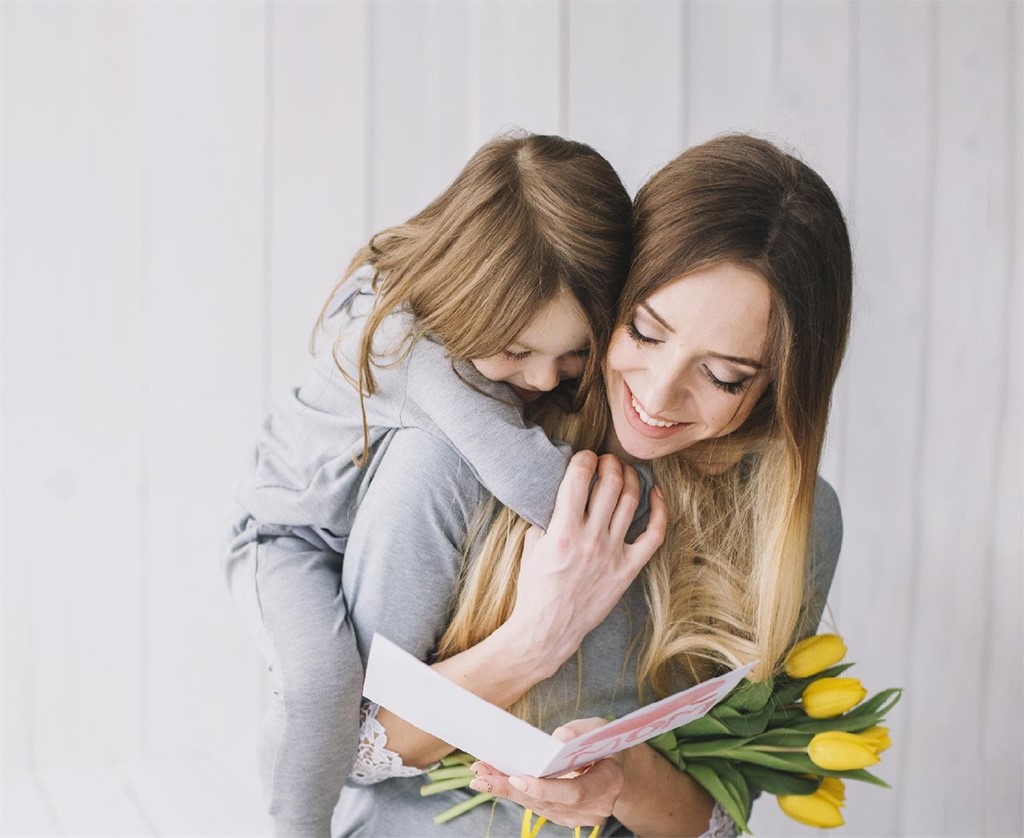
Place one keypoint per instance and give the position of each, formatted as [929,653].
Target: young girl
[501,290]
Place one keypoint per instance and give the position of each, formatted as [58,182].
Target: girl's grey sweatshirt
[303,474]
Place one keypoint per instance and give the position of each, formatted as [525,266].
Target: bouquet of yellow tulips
[797,737]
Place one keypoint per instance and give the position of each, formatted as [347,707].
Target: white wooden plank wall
[183,183]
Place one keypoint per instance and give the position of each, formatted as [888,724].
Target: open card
[411,689]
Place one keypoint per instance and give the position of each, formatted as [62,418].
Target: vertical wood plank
[92,799]
[893,144]
[72,444]
[626,83]
[943,778]
[516,54]
[319,123]
[204,327]
[24,809]
[731,56]
[1003,803]
[420,60]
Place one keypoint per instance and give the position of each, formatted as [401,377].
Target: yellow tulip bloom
[832,788]
[836,750]
[878,737]
[828,697]
[811,809]
[814,654]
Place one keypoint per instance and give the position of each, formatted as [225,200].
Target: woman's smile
[643,422]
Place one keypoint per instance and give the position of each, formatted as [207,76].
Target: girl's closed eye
[516,356]
[732,387]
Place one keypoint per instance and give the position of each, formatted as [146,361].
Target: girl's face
[551,349]
[689,364]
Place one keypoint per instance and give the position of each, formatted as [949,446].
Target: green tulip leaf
[704,726]
[749,697]
[743,724]
[783,738]
[664,742]
[708,779]
[712,747]
[790,689]
[778,782]
[863,775]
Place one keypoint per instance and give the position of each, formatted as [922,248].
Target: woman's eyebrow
[747,362]
[647,307]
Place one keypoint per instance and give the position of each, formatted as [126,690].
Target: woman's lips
[639,425]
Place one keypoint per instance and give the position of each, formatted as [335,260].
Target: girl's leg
[290,593]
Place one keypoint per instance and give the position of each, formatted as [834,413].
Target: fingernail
[481,785]
[517,783]
[657,490]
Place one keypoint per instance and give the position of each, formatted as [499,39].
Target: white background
[183,182]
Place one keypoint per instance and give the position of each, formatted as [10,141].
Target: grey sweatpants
[287,583]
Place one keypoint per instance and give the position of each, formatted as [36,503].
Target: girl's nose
[544,376]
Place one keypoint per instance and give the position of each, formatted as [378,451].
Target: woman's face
[689,364]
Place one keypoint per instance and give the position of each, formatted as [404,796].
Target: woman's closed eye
[516,356]
[639,336]
[732,387]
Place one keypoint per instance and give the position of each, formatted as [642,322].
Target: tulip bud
[877,737]
[828,697]
[836,750]
[814,654]
[811,809]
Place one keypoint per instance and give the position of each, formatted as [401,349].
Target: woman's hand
[572,575]
[583,798]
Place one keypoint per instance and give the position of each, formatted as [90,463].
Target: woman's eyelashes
[516,356]
[732,387]
[637,335]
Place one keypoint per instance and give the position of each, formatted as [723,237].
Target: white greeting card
[411,689]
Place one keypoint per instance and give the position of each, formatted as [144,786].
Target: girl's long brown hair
[529,216]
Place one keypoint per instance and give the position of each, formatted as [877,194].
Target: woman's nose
[664,392]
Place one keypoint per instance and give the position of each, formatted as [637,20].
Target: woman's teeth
[648,420]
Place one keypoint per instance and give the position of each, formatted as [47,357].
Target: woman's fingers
[571,500]
[640,551]
[580,801]
[604,495]
[625,509]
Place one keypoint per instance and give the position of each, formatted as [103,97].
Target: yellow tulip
[832,788]
[811,809]
[836,750]
[814,654]
[828,697]
[877,737]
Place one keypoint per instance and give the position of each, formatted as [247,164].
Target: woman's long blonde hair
[528,217]
[727,585]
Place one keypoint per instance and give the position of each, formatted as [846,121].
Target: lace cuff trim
[374,762]
[721,825]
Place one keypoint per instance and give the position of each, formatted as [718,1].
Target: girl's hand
[582,798]
[571,576]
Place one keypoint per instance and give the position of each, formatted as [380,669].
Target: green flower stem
[450,773]
[461,808]
[445,785]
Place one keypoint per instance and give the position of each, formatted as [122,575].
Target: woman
[730,335]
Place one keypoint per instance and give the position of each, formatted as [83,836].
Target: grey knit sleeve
[513,459]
